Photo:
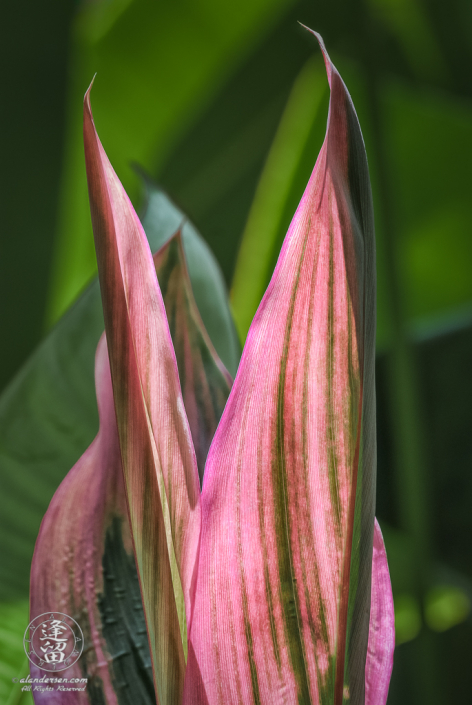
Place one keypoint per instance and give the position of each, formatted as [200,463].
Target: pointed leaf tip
[88,515]
[160,468]
[161,219]
[87,96]
[283,593]
[327,60]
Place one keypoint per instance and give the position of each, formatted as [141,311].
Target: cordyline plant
[270,584]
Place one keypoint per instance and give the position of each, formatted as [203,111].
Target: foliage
[415,57]
[146,506]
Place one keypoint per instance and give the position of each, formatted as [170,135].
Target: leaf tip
[87,106]
[326,58]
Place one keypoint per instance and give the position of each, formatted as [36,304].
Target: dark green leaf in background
[34,48]
[48,414]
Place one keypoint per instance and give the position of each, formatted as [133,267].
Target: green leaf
[204,380]
[149,94]
[48,413]
[48,417]
[13,660]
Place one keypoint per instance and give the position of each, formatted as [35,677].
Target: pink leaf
[204,379]
[379,663]
[84,564]
[158,457]
[283,590]
[67,573]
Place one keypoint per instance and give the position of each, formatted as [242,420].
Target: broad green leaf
[48,417]
[83,566]
[158,457]
[283,593]
[48,414]
[14,618]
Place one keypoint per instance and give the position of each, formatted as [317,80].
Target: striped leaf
[84,566]
[283,591]
[204,380]
[161,219]
[48,414]
[85,542]
[159,464]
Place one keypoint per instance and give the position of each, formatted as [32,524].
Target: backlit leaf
[204,380]
[283,590]
[158,457]
[381,644]
[48,414]
[85,542]
[161,219]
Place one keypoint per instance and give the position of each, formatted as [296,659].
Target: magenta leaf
[204,379]
[381,628]
[83,556]
[85,542]
[283,590]
[158,457]
[277,570]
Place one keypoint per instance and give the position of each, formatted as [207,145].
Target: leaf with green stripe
[158,458]
[48,414]
[283,591]
[204,380]
[85,542]
[84,566]
[161,219]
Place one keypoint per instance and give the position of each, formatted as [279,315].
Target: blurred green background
[225,105]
